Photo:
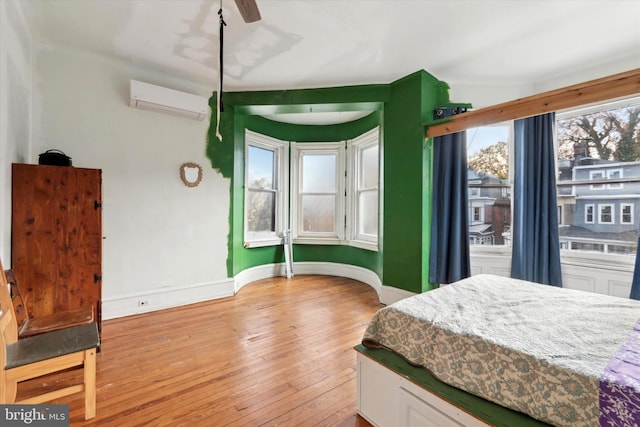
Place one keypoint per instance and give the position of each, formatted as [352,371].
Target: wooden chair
[29,326]
[43,354]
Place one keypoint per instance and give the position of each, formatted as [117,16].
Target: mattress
[565,357]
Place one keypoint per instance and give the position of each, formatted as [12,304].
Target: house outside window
[598,181]
[599,177]
[489,190]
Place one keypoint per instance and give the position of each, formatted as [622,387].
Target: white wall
[481,95]
[164,243]
[15,108]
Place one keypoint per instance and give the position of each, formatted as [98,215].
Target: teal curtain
[536,246]
[449,257]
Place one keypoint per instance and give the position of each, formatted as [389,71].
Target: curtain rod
[602,89]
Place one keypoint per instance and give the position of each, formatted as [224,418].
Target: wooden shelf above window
[598,90]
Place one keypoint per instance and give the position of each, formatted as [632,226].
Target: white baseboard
[145,302]
[325,268]
[257,273]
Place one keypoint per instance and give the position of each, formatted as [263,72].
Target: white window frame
[617,185]
[480,218]
[593,214]
[630,206]
[354,188]
[298,150]
[479,206]
[560,215]
[597,175]
[601,207]
[281,159]
[504,249]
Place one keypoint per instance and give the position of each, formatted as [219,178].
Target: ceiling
[324,43]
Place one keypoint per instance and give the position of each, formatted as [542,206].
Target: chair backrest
[9,326]
[19,307]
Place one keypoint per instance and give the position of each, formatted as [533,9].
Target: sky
[479,138]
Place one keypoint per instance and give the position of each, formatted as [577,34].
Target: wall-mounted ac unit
[157,98]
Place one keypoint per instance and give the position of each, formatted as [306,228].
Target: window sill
[332,241]
[598,260]
[489,250]
[263,243]
[316,241]
[361,244]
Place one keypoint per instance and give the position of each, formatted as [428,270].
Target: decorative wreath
[183,174]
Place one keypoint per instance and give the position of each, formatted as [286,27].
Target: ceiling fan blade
[249,10]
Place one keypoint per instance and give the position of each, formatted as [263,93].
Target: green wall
[400,109]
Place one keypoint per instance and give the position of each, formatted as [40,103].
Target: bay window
[334,195]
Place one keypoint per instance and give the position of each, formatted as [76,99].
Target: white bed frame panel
[387,399]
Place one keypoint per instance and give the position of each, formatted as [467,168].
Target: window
[614,174]
[476,215]
[626,213]
[599,143]
[596,176]
[605,214]
[266,166]
[363,176]
[588,214]
[335,191]
[488,183]
[317,189]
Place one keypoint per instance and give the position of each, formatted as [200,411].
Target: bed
[556,356]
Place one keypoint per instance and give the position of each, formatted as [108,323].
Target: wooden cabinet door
[56,237]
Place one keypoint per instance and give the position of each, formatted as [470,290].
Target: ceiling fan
[249,10]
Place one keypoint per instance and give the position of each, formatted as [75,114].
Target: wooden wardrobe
[56,237]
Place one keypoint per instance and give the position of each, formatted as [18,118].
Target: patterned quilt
[565,357]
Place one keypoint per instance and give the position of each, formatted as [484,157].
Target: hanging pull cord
[220,108]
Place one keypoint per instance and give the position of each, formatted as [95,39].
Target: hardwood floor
[280,352]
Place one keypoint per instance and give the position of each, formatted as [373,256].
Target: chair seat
[55,321]
[52,344]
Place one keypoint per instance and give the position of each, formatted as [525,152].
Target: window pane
[589,214]
[368,213]
[318,213]
[627,214]
[261,211]
[595,175]
[599,145]
[260,168]
[318,173]
[489,191]
[605,213]
[369,170]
